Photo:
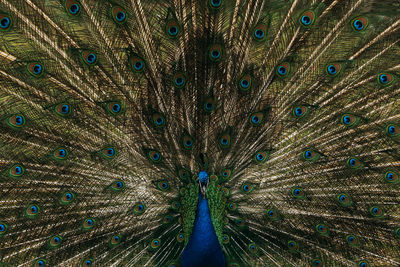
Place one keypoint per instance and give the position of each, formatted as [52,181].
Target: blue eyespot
[244,83]
[215,54]
[308,154]
[5,22]
[62,153]
[19,120]
[91,58]
[68,196]
[346,120]
[119,184]
[332,70]
[110,152]
[260,157]
[358,25]
[64,109]
[156,156]
[34,209]
[159,121]
[259,34]
[352,162]
[391,129]
[255,119]
[116,238]
[282,70]
[209,106]
[40,263]
[179,81]
[246,188]
[298,111]
[173,30]
[2,227]
[89,222]
[383,78]
[116,107]
[37,69]
[224,141]
[74,9]
[138,65]
[316,262]
[306,20]
[215,3]
[120,16]
[18,170]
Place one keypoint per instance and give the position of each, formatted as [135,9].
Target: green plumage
[109,110]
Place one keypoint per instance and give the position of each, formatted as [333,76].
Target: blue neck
[203,248]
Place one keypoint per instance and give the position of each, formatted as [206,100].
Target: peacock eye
[261,157]
[310,155]
[282,70]
[333,69]
[259,32]
[116,107]
[300,111]
[307,18]
[385,79]
[137,64]
[359,24]
[215,4]
[36,69]
[172,28]
[215,53]
[17,170]
[349,120]
[89,57]
[298,193]
[5,22]
[108,152]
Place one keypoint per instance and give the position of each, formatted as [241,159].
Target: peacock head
[202,178]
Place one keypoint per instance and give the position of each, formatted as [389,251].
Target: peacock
[199,133]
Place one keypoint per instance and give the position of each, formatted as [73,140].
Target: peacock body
[199,133]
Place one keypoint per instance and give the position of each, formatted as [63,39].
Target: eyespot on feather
[6,22]
[307,18]
[119,14]
[359,24]
[36,69]
[72,7]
